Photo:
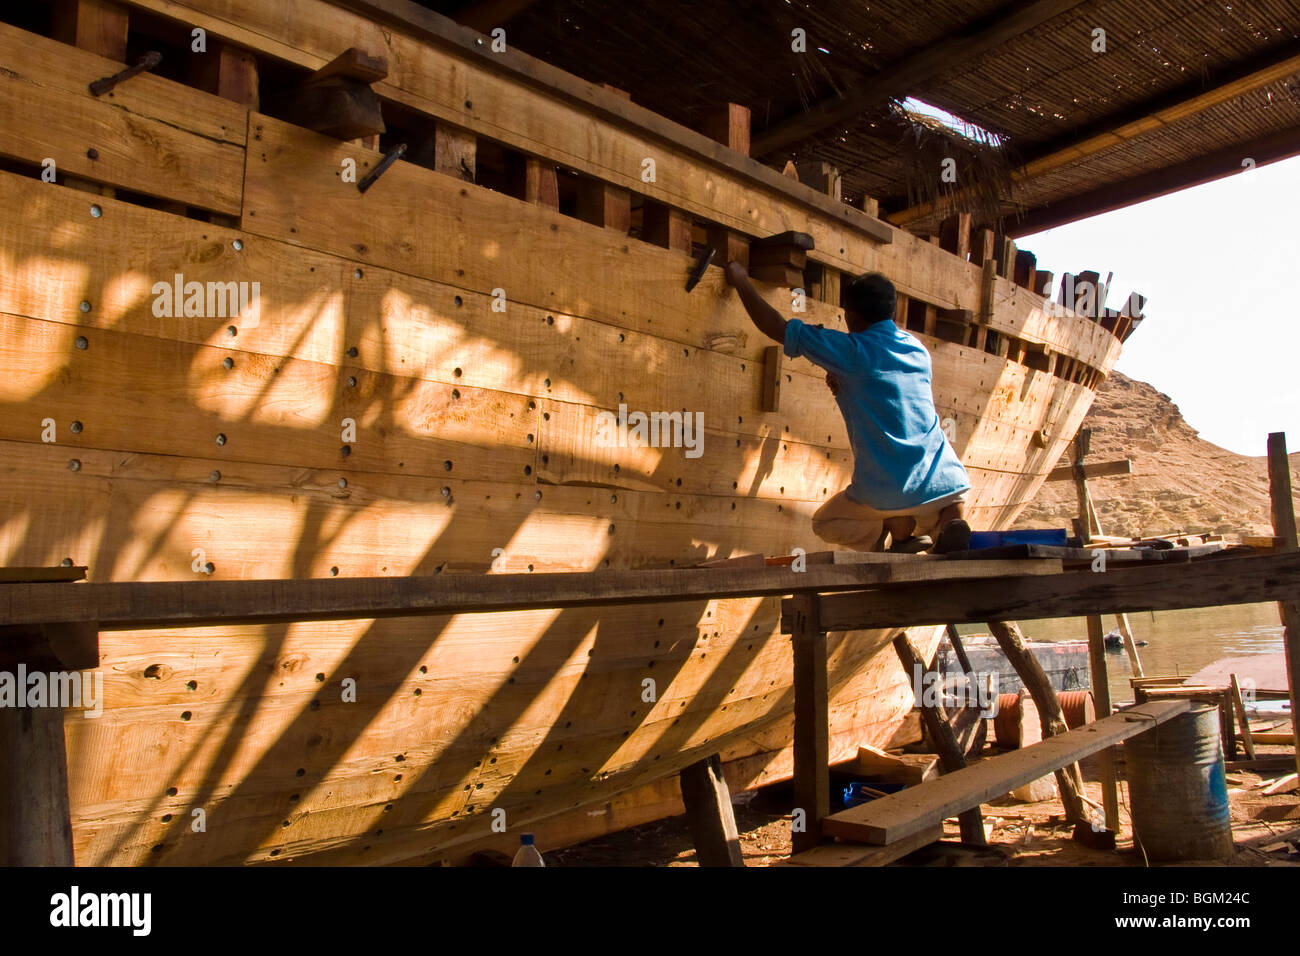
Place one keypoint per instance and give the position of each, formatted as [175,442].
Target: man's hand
[833,383]
[736,274]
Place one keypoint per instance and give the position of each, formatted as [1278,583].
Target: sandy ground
[1023,834]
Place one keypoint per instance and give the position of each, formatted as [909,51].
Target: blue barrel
[1178,794]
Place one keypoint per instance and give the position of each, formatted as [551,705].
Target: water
[1179,643]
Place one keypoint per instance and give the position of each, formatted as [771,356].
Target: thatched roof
[1185,91]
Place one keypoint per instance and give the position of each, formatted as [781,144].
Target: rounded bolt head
[209,568]
[352,352]
[74,465]
[357,273]
[82,342]
[221,439]
[231,331]
[352,381]
[85,306]
[446,492]
[66,563]
[96,212]
[214,475]
[92,153]
[343,482]
[238,244]
[228,362]
[77,427]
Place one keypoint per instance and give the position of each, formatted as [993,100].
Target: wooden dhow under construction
[410,386]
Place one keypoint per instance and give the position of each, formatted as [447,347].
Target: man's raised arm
[768,320]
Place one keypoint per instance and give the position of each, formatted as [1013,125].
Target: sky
[1221,335]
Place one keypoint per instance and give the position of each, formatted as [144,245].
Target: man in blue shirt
[904,471]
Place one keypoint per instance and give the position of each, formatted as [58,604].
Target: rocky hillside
[1179,482]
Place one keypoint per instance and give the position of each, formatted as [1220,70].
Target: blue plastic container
[997,539]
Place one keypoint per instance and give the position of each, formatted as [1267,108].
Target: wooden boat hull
[417,391]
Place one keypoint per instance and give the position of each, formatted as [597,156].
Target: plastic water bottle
[527,854]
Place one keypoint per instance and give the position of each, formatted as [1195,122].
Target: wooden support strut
[812,793]
[1101,694]
[1284,527]
[941,733]
[710,814]
[1068,779]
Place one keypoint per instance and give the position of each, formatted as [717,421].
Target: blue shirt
[900,455]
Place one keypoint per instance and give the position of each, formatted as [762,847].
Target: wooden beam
[710,815]
[951,754]
[228,71]
[729,125]
[666,226]
[1154,586]
[1189,100]
[128,605]
[1101,694]
[1102,469]
[35,822]
[99,26]
[945,56]
[1282,506]
[854,854]
[455,153]
[954,234]
[888,819]
[1239,707]
[811,724]
[534,180]
[1205,168]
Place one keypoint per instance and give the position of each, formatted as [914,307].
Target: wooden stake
[1130,644]
[709,812]
[1101,694]
[1284,528]
[1240,707]
[941,733]
[812,785]
[1050,716]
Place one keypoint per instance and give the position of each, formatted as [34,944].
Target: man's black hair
[872,296]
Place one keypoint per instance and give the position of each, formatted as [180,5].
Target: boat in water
[228,362]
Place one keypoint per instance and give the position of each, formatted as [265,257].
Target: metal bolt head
[66,563]
[92,153]
[85,306]
[214,475]
[221,439]
[81,342]
[231,331]
[228,362]
[96,212]
[74,465]
[238,244]
[352,381]
[77,427]
[343,482]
